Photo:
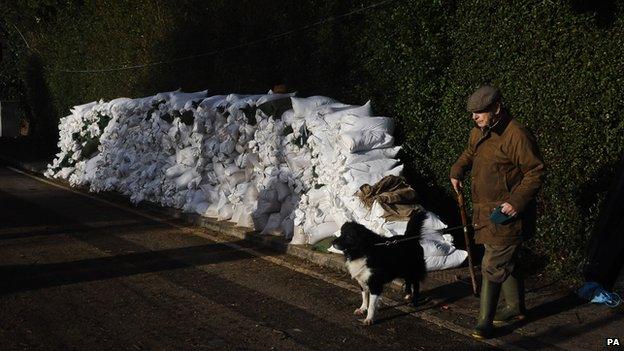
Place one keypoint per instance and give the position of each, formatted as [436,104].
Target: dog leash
[445,230]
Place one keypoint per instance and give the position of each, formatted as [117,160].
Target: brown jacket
[506,166]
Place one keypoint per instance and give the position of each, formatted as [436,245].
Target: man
[507,172]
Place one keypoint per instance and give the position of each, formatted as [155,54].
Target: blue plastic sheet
[595,293]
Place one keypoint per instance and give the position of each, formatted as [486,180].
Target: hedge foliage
[558,62]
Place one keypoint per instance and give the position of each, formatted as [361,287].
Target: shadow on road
[17,278]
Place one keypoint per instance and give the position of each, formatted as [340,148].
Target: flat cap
[483,98]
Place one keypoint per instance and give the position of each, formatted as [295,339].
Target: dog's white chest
[359,271]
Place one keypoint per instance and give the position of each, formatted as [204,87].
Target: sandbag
[273,225]
[183,181]
[354,141]
[321,232]
[455,259]
[351,123]
[305,106]
[299,238]
[287,227]
[225,212]
[267,202]
[176,171]
[371,155]
[337,116]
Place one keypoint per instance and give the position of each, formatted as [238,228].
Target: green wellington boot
[487,308]
[513,292]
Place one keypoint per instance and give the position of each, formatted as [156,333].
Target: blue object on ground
[595,293]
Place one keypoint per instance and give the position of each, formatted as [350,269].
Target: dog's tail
[417,218]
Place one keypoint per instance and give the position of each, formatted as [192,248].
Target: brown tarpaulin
[394,195]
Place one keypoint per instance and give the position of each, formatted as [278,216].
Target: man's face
[482,119]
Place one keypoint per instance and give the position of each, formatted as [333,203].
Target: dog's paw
[359,311]
[367,321]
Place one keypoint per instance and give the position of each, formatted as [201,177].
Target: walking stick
[464,218]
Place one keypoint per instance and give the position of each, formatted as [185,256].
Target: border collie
[375,265]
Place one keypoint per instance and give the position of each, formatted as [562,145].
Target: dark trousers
[499,261]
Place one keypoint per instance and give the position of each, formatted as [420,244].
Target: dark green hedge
[559,63]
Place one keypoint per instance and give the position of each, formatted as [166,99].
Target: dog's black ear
[414,226]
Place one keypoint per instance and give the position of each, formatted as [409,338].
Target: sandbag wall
[249,159]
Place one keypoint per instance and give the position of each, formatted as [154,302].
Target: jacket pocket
[511,229]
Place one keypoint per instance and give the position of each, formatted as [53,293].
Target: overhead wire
[220,51]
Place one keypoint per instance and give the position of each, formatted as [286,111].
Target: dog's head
[354,240]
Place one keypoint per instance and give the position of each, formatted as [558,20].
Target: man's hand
[457,184]
[509,210]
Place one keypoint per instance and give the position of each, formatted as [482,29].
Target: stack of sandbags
[347,148]
[224,157]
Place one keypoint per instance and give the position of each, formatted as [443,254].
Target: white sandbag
[212,102]
[211,192]
[317,196]
[215,208]
[287,227]
[235,178]
[212,210]
[298,163]
[91,169]
[288,206]
[250,99]
[274,225]
[354,141]
[455,259]
[370,155]
[273,96]
[283,191]
[245,219]
[370,172]
[432,228]
[225,212]
[251,195]
[351,123]
[433,221]
[237,212]
[193,198]
[80,110]
[227,147]
[322,231]
[260,220]
[201,207]
[118,105]
[374,166]
[325,109]
[183,181]
[288,116]
[267,202]
[176,171]
[394,228]
[396,171]
[178,99]
[187,156]
[436,248]
[304,106]
[335,118]
[299,238]
[219,170]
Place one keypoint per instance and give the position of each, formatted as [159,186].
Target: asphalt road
[80,274]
